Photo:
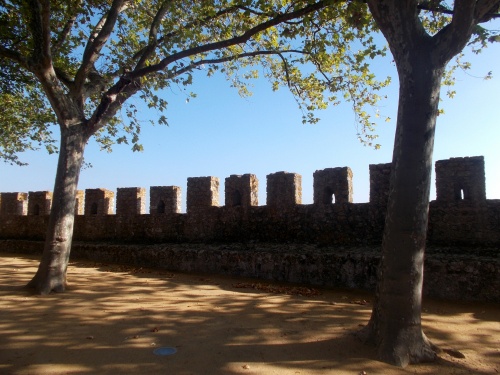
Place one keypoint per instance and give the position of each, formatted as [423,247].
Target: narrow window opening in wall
[460,193]
[236,198]
[329,196]
[36,210]
[160,209]
[93,209]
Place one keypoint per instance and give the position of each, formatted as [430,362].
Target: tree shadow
[113,317]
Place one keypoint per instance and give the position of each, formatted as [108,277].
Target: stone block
[130,201]
[241,191]
[333,185]
[202,192]
[284,190]
[164,200]
[39,203]
[99,202]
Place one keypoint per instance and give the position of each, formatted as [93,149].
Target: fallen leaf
[360,302]
[454,353]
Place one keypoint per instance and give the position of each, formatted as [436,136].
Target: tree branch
[111,102]
[431,6]
[466,15]
[487,10]
[41,65]
[66,29]
[188,26]
[64,77]
[228,42]
[14,56]
[221,60]
[125,88]
[461,25]
[101,34]
[142,53]
[40,30]
[153,34]
[128,84]
[399,22]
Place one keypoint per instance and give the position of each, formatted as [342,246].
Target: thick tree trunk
[395,325]
[51,274]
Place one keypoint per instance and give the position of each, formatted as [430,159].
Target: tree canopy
[320,50]
[97,54]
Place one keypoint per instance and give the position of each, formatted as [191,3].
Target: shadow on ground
[112,319]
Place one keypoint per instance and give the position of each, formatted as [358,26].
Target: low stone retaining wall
[452,274]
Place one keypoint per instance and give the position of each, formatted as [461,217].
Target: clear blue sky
[219,134]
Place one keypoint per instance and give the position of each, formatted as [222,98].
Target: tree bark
[51,273]
[395,324]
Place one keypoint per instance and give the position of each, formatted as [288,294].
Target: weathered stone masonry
[336,241]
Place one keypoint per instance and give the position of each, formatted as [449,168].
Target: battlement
[202,192]
[241,191]
[13,204]
[284,191]
[460,213]
[456,179]
[99,202]
[461,179]
[333,185]
[164,200]
[39,202]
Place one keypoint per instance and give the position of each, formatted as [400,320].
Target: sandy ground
[113,318]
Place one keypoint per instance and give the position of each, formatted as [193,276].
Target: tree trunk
[51,274]
[395,325]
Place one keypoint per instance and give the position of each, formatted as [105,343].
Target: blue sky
[219,134]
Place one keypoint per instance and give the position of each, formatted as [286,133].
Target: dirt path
[113,319]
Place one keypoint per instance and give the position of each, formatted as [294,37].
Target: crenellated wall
[332,242]
[461,214]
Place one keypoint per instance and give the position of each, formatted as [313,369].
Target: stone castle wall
[332,242]
[461,214]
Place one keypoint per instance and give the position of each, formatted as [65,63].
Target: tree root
[410,347]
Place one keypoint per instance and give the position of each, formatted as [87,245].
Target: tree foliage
[320,50]
[103,52]
[26,116]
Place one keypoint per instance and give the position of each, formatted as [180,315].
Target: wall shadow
[113,317]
